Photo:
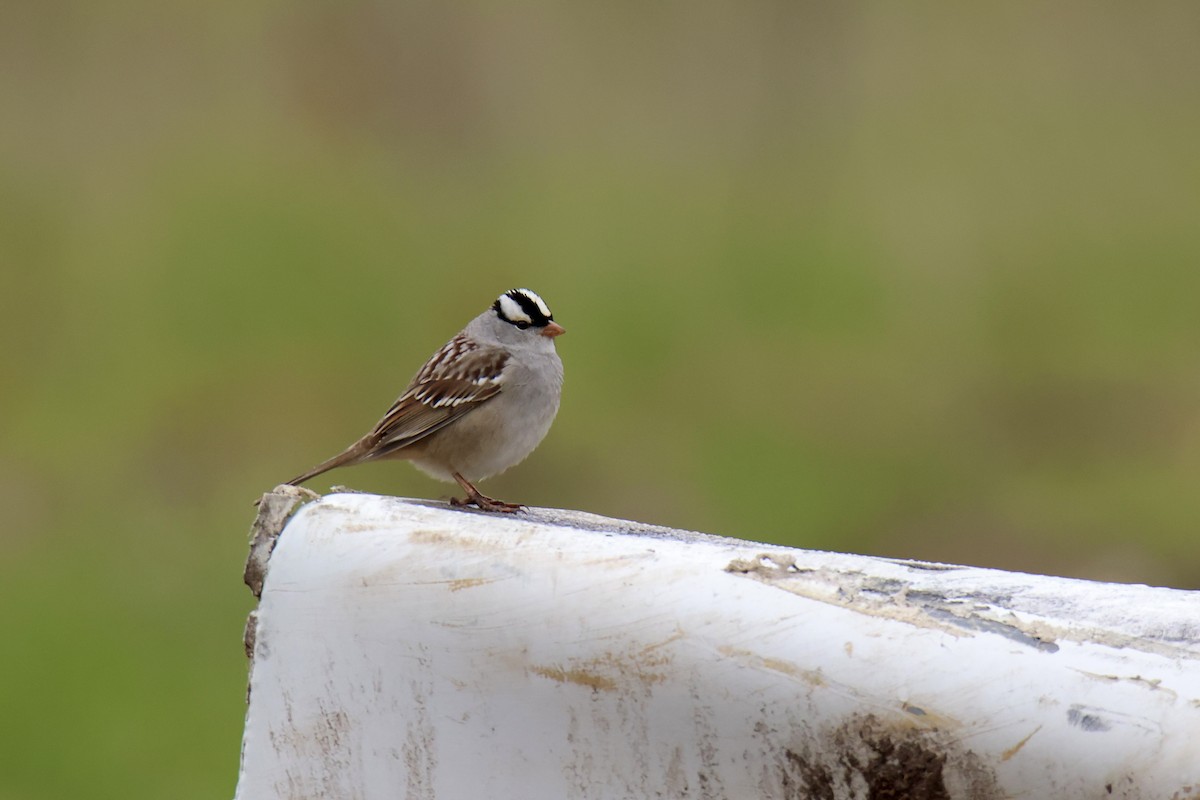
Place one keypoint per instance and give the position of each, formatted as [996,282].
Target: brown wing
[458,379]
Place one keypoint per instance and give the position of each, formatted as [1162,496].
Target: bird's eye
[522,325]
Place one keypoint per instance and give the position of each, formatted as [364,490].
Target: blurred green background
[915,281]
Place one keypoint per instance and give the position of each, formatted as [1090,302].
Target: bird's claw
[485,503]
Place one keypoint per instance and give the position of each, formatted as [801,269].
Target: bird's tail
[351,455]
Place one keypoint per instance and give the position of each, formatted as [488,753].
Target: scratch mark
[1153,684]
[813,677]
[650,648]
[1016,748]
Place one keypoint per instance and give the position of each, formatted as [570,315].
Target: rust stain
[1016,748]
[812,677]
[357,527]
[577,676]
[609,671]
[466,583]
[456,584]
[637,665]
[432,537]
[441,538]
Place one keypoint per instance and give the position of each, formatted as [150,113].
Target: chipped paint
[957,613]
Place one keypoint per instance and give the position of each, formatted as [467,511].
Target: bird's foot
[480,500]
[485,503]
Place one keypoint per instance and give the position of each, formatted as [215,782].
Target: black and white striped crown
[523,308]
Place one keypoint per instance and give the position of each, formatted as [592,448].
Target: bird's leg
[477,498]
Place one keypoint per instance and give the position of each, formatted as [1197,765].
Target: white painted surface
[408,650]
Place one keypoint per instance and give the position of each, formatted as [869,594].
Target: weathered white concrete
[408,650]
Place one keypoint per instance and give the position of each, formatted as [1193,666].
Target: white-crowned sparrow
[479,406]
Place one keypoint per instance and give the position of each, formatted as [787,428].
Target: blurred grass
[916,282]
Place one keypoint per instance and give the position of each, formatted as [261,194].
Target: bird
[479,405]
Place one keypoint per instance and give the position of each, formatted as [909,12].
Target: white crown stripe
[512,310]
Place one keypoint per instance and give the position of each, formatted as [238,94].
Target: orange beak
[553,329]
